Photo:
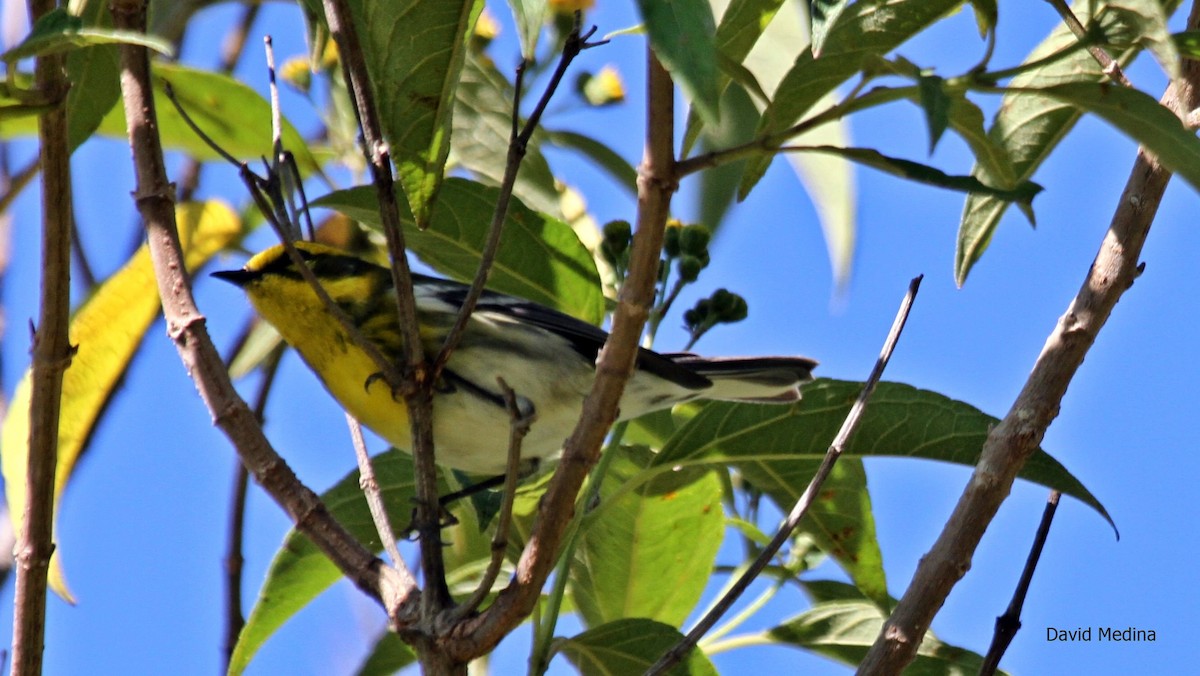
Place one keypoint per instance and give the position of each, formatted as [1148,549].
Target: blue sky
[142,528]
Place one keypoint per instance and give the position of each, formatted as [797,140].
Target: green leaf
[1188,43]
[630,647]
[58,31]
[1022,193]
[682,35]
[389,655]
[840,521]
[1027,128]
[1148,20]
[718,186]
[765,36]
[482,126]
[601,155]
[843,625]
[300,571]
[936,105]
[106,331]
[901,421]
[415,51]
[986,15]
[540,258]
[1140,117]
[864,30]
[530,16]
[232,114]
[642,539]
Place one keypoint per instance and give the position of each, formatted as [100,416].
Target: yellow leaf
[107,329]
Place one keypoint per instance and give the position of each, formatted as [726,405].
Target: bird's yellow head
[283,297]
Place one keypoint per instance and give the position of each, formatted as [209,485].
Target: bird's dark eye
[327,266]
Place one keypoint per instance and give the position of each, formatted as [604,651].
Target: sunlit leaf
[416,47]
[629,647]
[106,331]
[901,421]
[681,34]
[1028,127]
[843,625]
[862,31]
[58,31]
[639,540]
[482,127]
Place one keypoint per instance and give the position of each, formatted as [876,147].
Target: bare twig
[849,425]
[518,143]
[186,327]
[1009,623]
[657,182]
[519,424]
[268,196]
[1110,66]
[234,560]
[370,488]
[418,397]
[17,183]
[1018,435]
[231,52]
[52,353]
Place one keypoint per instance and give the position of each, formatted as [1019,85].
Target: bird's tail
[766,380]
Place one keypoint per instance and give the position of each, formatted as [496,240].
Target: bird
[547,358]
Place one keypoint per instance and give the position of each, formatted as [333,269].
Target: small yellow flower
[570,6]
[486,28]
[603,88]
[297,73]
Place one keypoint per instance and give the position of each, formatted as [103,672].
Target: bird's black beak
[238,278]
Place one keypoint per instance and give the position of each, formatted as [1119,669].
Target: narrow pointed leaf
[863,31]
[642,539]
[300,571]
[682,35]
[630,647]
[901,421]
[1028,127]
[843,625]
[415,51]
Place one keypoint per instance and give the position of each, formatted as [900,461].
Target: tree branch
[52,353]
[186,327]
[789,525]
[417,392]
[1009,623]
[657,183]
[1020,433]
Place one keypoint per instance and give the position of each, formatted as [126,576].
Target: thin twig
[268,197]
[518,143]
[418,397]
[370,488]
[1017,436]
[518,427]
[1008,624]
[186,328]
[657,183]
[52,353]
[18,181]
[849,425]
[234,559]
[231,52]
[1108,64]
